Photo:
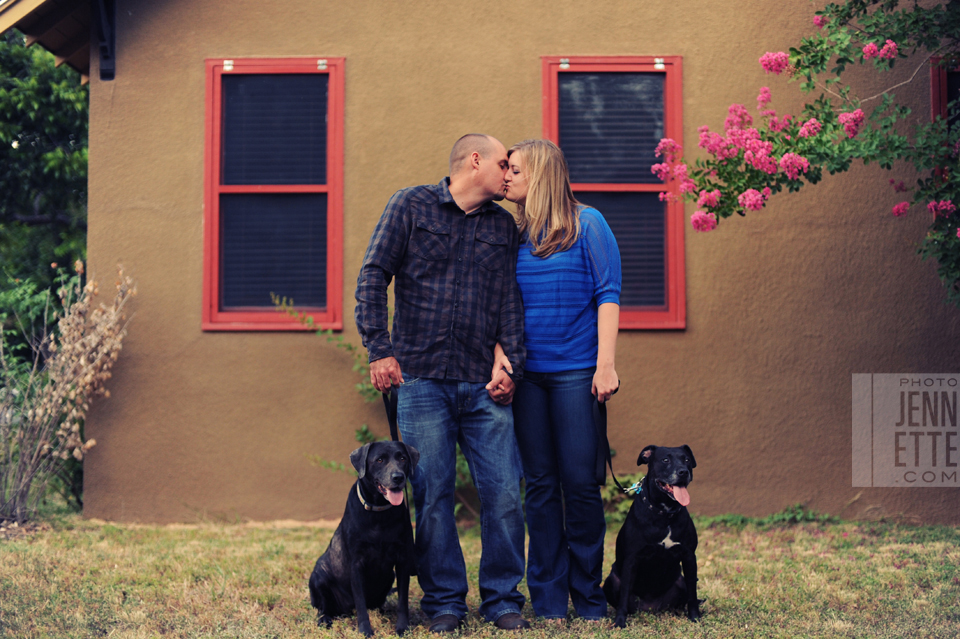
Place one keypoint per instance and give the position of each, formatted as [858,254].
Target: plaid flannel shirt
[456,291]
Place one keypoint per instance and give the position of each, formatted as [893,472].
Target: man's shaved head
[482,144]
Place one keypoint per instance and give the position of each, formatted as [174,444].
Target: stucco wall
[782,307]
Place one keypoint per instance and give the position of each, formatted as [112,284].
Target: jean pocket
[409,381]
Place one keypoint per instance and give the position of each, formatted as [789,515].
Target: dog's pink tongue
[681,495]
[395,497]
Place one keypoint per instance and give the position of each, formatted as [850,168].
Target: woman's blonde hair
[550,219]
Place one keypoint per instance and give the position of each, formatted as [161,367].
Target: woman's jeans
[558,444]
[433,415]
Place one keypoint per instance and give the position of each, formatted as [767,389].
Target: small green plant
[616,503]
[358,353]
[789,516]
[465,491]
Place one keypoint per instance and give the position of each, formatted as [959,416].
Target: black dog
[373,538]
[657,538]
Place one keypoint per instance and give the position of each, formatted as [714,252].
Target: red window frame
[330,316]
[673,314]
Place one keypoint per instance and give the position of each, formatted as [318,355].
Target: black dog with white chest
[657,539]
[374,540]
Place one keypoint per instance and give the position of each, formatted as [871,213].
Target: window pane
[610,125]
[273,243]
[275,129]
[638,221]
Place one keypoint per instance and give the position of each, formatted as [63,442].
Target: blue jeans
[558,444]
[433,415]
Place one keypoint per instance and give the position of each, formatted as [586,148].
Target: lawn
[70,577]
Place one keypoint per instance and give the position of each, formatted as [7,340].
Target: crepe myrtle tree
[755,158]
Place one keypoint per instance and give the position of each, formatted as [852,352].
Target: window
[944,87]
[274,192]
[608,114]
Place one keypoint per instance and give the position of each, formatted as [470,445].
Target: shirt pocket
[490,251]
[430,240]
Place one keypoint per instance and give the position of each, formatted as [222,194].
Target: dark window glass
[273,243]
[275,129]
[953,95]
[610,124]
[638,221]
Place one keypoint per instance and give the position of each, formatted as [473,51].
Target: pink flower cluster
[753,199]
[672,168]
[669,149]
[810,128]
[738,118]
[703,221]
[898,187]
[793,165]
[820,21]
[943,207]
[780,123]
[888,52]
[900,209]
[716,144]
[764,98]
[774,63]
[851,122]
[709,198]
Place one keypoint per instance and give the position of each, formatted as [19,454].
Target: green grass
[785,576]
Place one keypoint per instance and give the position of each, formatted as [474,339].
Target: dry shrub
[43,404]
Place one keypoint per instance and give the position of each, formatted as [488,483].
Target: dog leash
[390,405]
[600,421]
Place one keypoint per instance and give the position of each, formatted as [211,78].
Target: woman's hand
[605,383]
[605,380]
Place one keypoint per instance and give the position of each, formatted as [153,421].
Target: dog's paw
[324,621]
[693,612]
[401,628]
[365,629]
[620,621]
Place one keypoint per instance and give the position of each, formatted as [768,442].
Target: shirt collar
[446,198]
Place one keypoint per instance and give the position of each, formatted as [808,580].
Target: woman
[568,270]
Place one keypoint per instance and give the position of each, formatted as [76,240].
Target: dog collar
[369,506]
[662,511]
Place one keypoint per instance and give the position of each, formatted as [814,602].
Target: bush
[47,380]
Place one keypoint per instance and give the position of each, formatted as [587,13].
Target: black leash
[390,404]
[604,458]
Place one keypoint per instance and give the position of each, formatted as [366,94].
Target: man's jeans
[558,443]
[433,415]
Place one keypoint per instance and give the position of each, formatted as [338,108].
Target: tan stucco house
[249,147]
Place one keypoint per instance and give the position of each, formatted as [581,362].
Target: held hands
[501,387]
[385,373]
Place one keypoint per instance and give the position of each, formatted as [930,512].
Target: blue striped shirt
[561,294]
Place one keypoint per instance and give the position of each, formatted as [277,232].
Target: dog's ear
[359,460]
[693,462]
[414,456]
[645,455]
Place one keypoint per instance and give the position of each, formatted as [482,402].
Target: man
[453,253]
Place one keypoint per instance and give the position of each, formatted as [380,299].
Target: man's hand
[385,373]
[501,388]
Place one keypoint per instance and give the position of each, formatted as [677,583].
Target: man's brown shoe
[444,623]
[511,621]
